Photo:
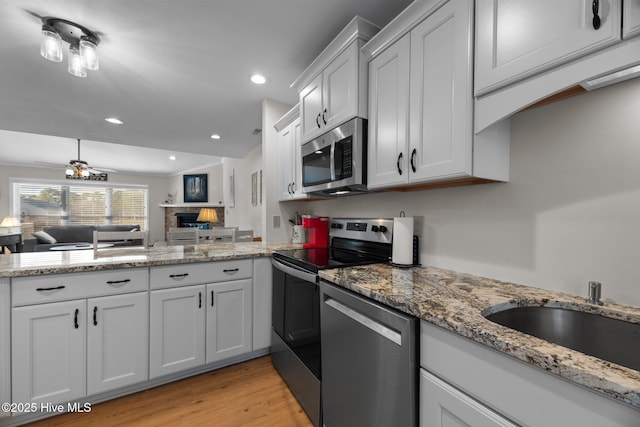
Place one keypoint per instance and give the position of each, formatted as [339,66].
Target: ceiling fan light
[85,172]
[69,171]
[89,54]
[75,62]
[51,45]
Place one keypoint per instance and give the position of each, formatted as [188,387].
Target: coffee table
[80,246]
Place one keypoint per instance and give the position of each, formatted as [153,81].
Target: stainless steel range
[296,349]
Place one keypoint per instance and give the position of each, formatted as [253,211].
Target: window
[46,203]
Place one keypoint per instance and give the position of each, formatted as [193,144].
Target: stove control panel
[369,229]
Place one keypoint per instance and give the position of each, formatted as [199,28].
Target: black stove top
[315,259]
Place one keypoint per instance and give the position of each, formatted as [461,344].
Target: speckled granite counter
[456,302]
[53,262]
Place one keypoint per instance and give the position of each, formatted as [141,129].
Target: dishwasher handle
[366,321]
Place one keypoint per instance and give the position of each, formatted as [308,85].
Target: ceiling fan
[80,168]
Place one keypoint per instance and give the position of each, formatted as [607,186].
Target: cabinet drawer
[172,276]
[61,287]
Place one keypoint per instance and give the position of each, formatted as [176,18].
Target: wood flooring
[247,394]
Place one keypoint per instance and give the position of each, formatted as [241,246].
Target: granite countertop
[54,262]
[457,301]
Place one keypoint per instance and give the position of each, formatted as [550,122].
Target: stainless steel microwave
[335,163]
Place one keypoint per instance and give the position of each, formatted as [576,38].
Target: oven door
[296,312]
[295,338]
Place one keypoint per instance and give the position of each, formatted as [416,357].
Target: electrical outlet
[276,221]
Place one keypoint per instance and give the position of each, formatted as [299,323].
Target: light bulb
[51,45]
[89,54]
[69,171]
[75,62]
[85,172]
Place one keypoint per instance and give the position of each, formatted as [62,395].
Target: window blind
[50,203]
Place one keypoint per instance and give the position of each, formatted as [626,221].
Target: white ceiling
[174,71]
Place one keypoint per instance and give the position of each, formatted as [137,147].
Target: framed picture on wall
[232,193]
[195,188]
[254,188]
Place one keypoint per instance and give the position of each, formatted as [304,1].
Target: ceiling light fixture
[78,167]
[83,45]
[114,121]
[215,136]
[172,157]
[258,79]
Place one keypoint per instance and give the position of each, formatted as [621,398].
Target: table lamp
[9,225]
[208,215]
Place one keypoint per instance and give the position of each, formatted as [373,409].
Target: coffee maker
[318,231]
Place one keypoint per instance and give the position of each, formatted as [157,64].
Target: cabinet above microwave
[333,89]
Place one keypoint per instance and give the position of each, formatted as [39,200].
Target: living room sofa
[59,235]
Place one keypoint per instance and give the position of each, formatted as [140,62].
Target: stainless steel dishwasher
[369,361]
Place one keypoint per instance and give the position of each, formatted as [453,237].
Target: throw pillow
[44,237]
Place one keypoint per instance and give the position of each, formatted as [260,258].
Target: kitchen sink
[609,339]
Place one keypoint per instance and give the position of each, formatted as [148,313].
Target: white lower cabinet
[177,329]
[464,383]
[442,405]
[66,350]
[48,352]
[228,319]
[5,344]
[117,351]
[198,321]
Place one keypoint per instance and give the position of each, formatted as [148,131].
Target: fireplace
[189,219]
[173,213]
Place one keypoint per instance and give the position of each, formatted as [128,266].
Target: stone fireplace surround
[170,219]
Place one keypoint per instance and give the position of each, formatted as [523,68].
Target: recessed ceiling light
[172,157]
[114,121]
[215,136]
[258,79]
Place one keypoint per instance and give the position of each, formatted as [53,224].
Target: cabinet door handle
[177,276]
[75,319]
[413,158]
[293,188]
[398,163]
[95,315]
[318,120]
[199,299]
[212,298]
[230,270]
[324,120]
[596,19]
[289,188]
[51,289]
[117,282]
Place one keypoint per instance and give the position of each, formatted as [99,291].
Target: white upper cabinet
[440,135]
[630,18]
[311,109]
[332,89]
[332,97]
[421,103]
[389,116]
[519,38]
[290,168]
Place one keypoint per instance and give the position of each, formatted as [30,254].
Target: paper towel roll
[402,251]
